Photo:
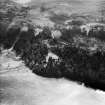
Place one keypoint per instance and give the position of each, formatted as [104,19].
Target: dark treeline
[100,34]
[84,67]
[74,63]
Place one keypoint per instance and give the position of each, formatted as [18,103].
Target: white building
[37,31]
[56,34]
[89,26]
[52,55]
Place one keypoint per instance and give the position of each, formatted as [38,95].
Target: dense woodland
[76,60]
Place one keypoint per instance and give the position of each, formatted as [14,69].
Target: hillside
[51,48]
